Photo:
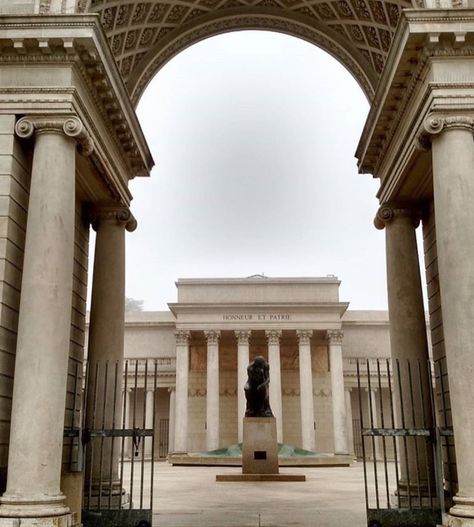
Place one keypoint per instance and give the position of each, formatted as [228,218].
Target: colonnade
[33,487]
[243,353]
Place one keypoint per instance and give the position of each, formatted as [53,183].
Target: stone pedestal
[260,446]
[260,453]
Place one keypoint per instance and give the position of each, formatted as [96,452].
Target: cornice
[82,43]
[422,35]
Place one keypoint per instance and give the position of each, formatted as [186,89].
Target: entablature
[63,65]
[429,69]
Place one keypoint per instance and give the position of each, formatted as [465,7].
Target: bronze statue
[256,389]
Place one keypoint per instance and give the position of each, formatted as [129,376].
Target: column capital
[172,389]
[118,214]
[212,336]
[69,125]
[390,212]
[273,336]
[335,336]
[242,335]
[434,124]
[182,336]
[304,335]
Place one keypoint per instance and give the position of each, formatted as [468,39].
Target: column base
[13,506]
[456,521]
[66,520]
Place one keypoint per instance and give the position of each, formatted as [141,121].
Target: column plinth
[212,397]
[334,337]
[306,389]
[273,338]
[181,398]
[453,185]
[41,363]
[243,360]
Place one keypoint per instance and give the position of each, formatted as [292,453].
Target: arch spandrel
[145,34]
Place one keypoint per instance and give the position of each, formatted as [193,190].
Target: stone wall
[15,167]
[437,342]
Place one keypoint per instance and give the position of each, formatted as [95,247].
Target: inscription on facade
[255,317]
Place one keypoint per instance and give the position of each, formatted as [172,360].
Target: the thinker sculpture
[256,389]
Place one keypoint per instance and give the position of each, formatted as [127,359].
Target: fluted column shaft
[306,389]
[273,338]
[243,361]
[453,182]
[182,379]
[337,388]
[408,339]
[212,397]
[41,363]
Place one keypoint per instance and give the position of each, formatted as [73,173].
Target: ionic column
[106,339]
[273,337]
[149,412]
[171,425]
[350,431]
[306,389]
[334,337]
[453,182]
[212,397]
[243,361]
[41,363]
[408,340]
[182,375]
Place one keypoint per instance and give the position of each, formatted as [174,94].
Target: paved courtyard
[190,497]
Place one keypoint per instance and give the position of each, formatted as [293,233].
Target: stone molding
[435,124]
[212,337]
[273,336]
[389,212]
[242,336]
[119,214]
[304,336]
[70,125]
[335,336]
[182,337]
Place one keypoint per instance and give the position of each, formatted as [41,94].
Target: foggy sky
[254,135]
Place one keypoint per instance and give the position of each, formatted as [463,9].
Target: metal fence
[406,489]
[114,446]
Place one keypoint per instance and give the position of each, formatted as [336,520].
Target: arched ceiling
[144,35]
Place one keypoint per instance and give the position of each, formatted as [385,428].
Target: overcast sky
[253,135]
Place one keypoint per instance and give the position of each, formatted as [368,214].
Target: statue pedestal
[260,453]
[260,447]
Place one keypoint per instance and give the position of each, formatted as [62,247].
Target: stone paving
[190,497]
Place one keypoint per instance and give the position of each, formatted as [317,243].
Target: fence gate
[116,442]
[401,444]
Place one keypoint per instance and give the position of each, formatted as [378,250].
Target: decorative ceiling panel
[144,35]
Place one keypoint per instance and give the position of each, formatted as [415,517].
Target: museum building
[204,344]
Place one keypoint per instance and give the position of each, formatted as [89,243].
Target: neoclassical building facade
[71,74]
[217,326]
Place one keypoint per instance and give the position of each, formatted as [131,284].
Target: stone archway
[64,78]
